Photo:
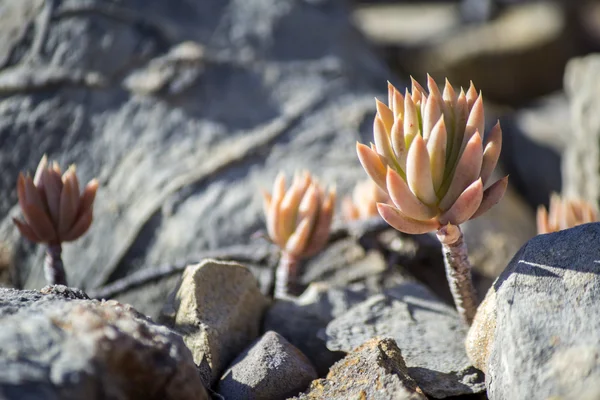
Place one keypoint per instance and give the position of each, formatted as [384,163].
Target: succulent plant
[429,156]
[298,221]
[54,211]
[564,213]
[363,203]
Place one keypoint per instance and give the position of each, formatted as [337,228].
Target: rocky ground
[185,110]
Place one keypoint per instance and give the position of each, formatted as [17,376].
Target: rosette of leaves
[564,213]
[429,156]
[298,221]
[54,212]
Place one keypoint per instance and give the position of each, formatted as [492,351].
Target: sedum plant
[363,203]
[54,212]
[564,213]
[298,221]
[429,156]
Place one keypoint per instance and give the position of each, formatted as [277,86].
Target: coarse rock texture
[581,162]
[57,346]
[217,308]
[183,110]
[429,332]
[539,331]
[271,368]
[343,275]
[374,371]
[301,320]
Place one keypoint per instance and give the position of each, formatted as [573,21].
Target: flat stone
[56,346]
[218,308]
[537,336]
[271,368]
[429,333]
[375,370]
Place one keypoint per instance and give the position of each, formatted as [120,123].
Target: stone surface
[539,334]
[183,110]
[302,319]
[271,368]
[375,370]
[429,332]
[57,346]
[581,162]
[218,308]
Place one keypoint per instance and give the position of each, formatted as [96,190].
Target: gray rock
[217,308]
[375,370]
[429,332]
[279,84]
[581,162]
[57,346]
[271,368]
[539,331]
[302,319]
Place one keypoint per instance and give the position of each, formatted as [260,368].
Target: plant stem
[53,266]
[286,275]
[458,271]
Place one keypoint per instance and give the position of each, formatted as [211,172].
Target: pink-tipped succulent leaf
[53,208]
[430,157]
[564,213]
[299,218]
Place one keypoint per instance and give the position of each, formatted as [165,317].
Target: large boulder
[56,344]
[183,111]
[536,334]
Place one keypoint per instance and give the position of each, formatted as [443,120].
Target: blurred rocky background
[184,110]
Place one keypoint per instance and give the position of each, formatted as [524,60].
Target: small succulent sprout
[54,211]
[564,213]
[363,203]
[298,221]
[430,157]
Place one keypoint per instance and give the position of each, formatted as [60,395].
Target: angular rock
[302,319]
[375,370]
[271,368]
[57,346]
[217,308]
[581,161]
[183,110]
[538,333]
[429,332]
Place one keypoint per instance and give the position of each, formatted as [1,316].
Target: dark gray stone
[183,110]
[375,370]
[271,368]
[301,320]
[429,332]
[56,347]
[543,327]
